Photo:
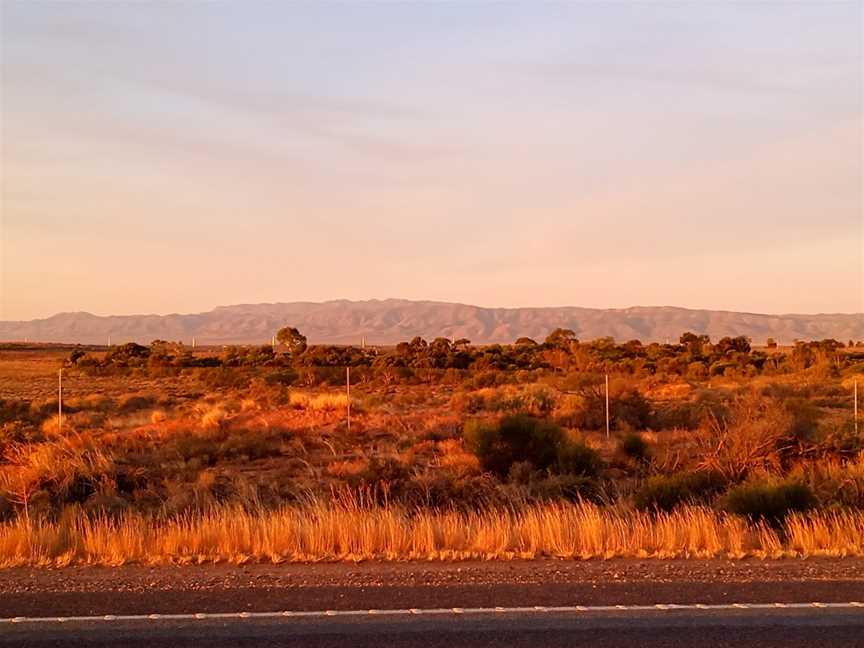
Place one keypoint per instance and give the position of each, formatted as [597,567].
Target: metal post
[607,406]
[60,400]
[348,392]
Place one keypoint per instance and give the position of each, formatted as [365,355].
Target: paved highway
[694,626]
[677,604]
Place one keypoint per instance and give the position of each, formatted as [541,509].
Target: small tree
[694,343]
[291,338]
[740,344]
[560,337]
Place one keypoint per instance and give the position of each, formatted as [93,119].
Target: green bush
[514,438]
[665,492]
[135,402]
[14,410]
[631,409]
[805,418]
[575,458]
[285,377]
[767,501]
[571,487]
[539,398]
[522,439]
[634,446]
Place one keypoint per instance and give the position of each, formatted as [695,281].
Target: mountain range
[394,320]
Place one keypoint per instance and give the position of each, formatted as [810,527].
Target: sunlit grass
[346,532]
[325,402]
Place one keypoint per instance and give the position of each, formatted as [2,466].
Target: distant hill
[394,320]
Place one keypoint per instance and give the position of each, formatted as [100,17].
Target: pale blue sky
[171,157]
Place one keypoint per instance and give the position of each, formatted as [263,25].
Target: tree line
[694,356]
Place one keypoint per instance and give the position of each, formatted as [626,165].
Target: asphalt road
[664,605]
[343,597]
[598,629]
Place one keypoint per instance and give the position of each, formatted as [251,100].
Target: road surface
[812,626]
[616,603]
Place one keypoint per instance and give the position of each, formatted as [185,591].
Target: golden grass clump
[249,405]
[326,402]
[348,531]
[213,417]
[51,426]
[452,454]
[61,462]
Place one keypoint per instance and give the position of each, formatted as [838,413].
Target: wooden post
[348,392]
[607,406]
[60,400]
[856,407]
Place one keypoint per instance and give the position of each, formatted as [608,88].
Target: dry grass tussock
[326,402]
[346,532]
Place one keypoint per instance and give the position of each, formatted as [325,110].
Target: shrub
[556,487]
[576,458]
[631,409]
[675,416]
[627,407]
[521,472]
[135,402]
[665,492]
[750,439]
[129,354]
[285,377]
[834,482]
[634,446]
[708,404]
[514,438]
[767,501]
[12,410]
[524,442]
[805,418]
[65,470]
[535,399]
[539,399]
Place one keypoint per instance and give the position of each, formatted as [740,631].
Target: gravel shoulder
[134,578]
[222,588]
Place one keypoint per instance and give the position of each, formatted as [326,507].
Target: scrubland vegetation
[167,453]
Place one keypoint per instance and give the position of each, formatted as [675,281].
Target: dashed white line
[537,609]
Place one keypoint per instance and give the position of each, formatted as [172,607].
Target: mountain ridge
[389,321]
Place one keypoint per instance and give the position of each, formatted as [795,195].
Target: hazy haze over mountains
[394,320]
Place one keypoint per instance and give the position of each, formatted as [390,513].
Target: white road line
[539,609]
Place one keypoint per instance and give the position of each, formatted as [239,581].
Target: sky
[172,157]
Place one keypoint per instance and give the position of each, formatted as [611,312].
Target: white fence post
[348,392]
[60,400]
[607,406]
